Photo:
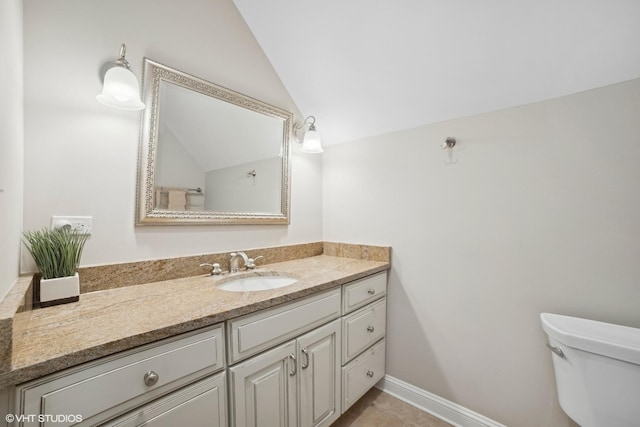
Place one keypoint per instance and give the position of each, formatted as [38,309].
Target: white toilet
[597,368]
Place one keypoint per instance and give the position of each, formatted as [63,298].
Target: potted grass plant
[57,254]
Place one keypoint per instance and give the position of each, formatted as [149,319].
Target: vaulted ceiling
[369,67]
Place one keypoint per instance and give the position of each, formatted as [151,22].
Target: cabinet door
[263,389]
[319,363]
[201,404]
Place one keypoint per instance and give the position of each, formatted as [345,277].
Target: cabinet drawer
[255,332]
[362,374]
[117,383]
[362,328]
[196,404]
[361,292]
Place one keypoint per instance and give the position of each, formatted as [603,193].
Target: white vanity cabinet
[302,363]
[101,390]
[298,382]
[329,350]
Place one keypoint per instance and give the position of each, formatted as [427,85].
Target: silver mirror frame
[153,74]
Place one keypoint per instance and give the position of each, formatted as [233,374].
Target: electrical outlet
[81,224]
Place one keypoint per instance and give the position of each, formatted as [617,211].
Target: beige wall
[81,157]
[11,141]
[540,213]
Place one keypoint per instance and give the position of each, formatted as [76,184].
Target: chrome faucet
[233,262]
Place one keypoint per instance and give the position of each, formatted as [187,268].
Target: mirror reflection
[210,155]
[215,156]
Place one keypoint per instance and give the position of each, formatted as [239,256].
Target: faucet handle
[251,262]
[215,268]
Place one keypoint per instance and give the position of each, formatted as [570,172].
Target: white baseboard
[444,409]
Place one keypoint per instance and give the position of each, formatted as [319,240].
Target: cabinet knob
[370,328]
[370,374]
[151,378]
[371,291]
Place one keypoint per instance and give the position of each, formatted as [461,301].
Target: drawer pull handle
[370,328]
[305,365]
[295,369]
[151,378]
[370,374]
[371,291]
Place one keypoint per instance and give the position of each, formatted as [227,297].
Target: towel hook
[449,142]
[448,145]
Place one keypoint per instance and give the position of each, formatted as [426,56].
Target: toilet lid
[615,341]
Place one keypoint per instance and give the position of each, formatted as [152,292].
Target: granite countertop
[108,321]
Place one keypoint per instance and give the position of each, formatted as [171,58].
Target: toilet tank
[597,370]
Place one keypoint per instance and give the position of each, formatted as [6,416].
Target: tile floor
[378,409]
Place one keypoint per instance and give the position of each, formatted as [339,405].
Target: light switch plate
[81,224]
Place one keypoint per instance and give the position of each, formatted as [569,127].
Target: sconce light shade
[120,89]
[312,142]
[310,139]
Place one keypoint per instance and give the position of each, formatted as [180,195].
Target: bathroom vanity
[297,355]
[306,372]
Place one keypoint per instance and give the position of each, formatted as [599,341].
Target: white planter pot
[59,290]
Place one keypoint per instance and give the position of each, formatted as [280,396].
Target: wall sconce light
[307,135]
[120,89]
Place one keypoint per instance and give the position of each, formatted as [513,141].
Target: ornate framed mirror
[209,155]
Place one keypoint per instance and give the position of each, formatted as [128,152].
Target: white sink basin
[257,283]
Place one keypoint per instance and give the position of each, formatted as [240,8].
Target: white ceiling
[368,67]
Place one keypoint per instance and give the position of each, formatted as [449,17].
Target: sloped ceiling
[369,67]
